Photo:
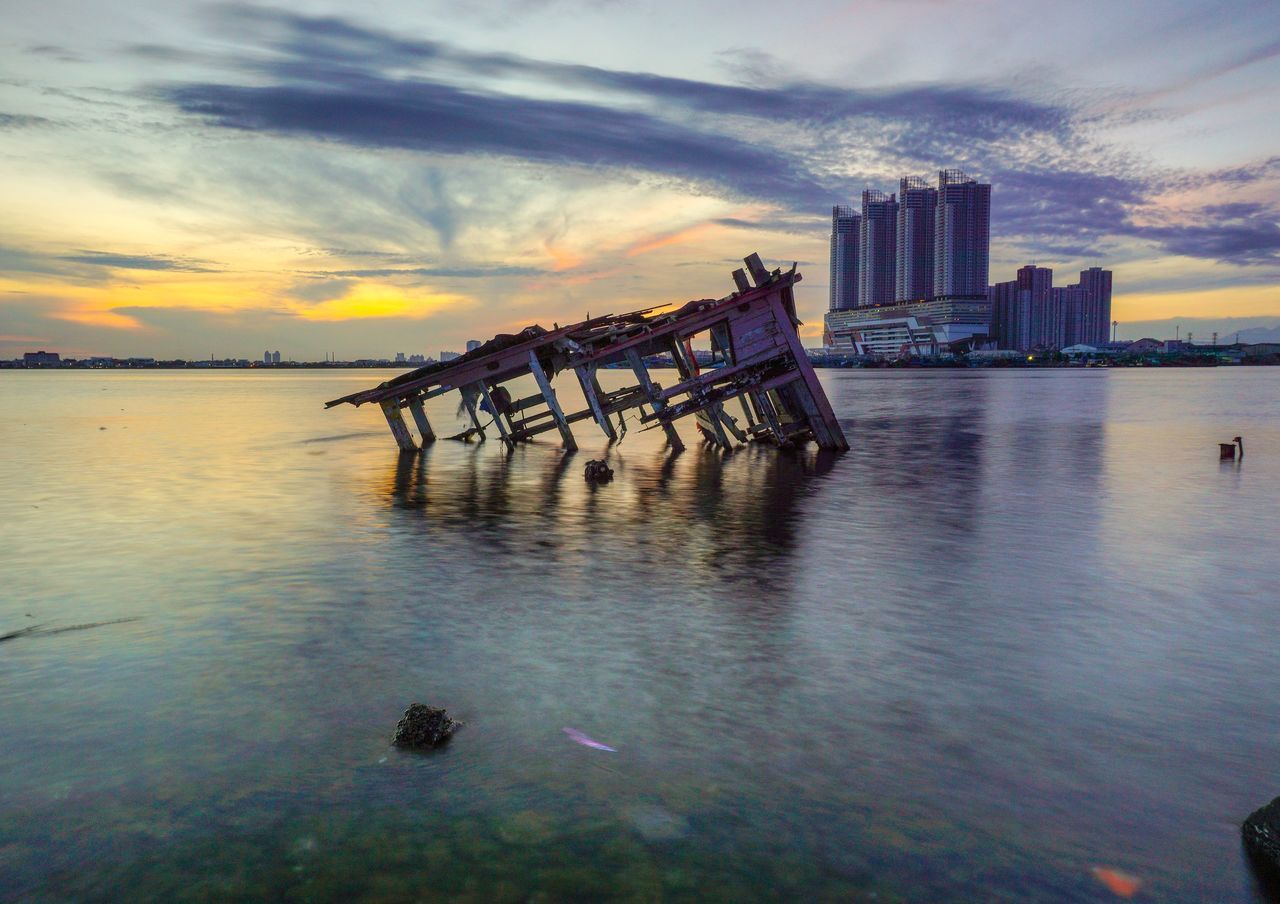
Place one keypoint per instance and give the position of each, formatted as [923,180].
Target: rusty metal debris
[759,360]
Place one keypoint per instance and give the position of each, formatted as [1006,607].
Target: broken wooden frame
[758,358]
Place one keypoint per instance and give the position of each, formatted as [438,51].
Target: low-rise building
[915,328]
[42,359]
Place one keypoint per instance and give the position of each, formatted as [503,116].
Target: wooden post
[420,418]
[399,429]
[590,387]
[714,416]
[827,432]
[756,268]
[549,395]
[770,416]
[483,390]
[637,365]
[469,402]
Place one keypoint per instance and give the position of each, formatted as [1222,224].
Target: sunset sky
[187,179]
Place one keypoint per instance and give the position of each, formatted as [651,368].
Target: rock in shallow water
[424,727]
[1262,836]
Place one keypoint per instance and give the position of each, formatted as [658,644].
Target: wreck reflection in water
[1023,628]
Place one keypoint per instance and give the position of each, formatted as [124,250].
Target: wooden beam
[770,416]
[399,429]
[654,395]
[828,433]
[497,416]
[756,268]
[590,388]
[535,367]
[469,402]
[420,418]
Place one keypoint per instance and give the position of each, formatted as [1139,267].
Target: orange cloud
[665,240]
[562,258]
[109,319]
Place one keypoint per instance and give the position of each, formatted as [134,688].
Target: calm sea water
[1026,627]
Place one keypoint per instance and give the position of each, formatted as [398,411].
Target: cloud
[438,118]
[1238,233]
[22,121]
[138,261]
[330,79]
[447,272]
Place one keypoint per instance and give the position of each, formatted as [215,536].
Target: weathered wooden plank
[469,402]
[590,388]
[654,395]
[483,391]
[765,406]
[755,266]
[829,434]
[420,418]
[399,429]
[566,434]
[523,433]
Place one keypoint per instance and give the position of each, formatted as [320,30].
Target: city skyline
[187,178]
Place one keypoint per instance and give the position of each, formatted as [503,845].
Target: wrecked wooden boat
[759,360]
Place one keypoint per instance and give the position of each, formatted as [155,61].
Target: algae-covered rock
[1262,837]
[424,727]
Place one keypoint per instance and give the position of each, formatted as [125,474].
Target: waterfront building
[473,344]
[1095,285]
[843,286]
[1071,309]
[448,356]
[41,359]
[877,248]
[917,212]
[962,236]
[266,357]
[1011,315]
[1029,312]
[275,357]
[909,328]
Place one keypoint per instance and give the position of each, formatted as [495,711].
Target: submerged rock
[1262,837]
[424,727]
[656,823]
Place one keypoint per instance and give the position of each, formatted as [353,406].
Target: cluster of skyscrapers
[1030,312]
[909,273]
[921,244]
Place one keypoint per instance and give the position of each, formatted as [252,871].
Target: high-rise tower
[1096,308]
[844,258]
[917,207]
[878,247]
[962,237]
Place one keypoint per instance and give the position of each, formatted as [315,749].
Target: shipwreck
[756,350]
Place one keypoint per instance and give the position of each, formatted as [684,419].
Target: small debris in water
[424,727]
[1123,884]
[579,738]
[41,629]
[598,471]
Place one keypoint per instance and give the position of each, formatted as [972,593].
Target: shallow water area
[1024,628]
